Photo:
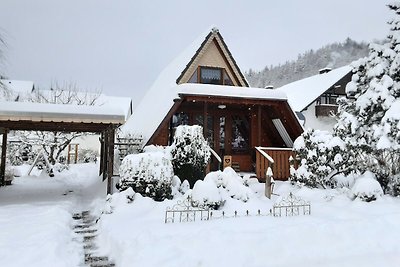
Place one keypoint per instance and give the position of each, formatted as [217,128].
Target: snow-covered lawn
[36,217]
[37,228]
[339,232]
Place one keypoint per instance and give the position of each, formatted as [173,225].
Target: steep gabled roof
[159,99]
[304,92]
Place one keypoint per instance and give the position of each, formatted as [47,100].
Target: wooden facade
[210,90]
[280,165]
[232,126]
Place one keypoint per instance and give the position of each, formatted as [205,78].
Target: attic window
[210,75]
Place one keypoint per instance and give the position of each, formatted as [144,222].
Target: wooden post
[68,154]
[76,153]
[105,154]
[268,183]
[205,121]
[110,167]
[3,157]
[101,168]
[259,113]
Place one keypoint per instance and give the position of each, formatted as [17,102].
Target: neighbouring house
[205,86]
[314,98]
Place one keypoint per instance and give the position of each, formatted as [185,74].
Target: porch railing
[279,164]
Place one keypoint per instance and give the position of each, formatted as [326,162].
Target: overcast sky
[120,46]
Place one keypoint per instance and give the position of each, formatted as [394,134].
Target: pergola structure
[63,118]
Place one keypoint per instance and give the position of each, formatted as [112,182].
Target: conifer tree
[364,122]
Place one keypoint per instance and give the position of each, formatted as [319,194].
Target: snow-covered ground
[36,217]
[339,232]
[37,228]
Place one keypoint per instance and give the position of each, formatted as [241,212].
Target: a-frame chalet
[205,86]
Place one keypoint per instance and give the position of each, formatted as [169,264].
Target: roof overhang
[51,117]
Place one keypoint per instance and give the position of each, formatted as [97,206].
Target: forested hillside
[307,64]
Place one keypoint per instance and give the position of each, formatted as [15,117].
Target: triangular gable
[160,98]
[214,52]
[304,92]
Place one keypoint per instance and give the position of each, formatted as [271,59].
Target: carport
[63,118]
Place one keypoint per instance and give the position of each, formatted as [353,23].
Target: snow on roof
[124,103]
[229,91]
[99,99]
[60,113]
[159,98]
[18,86]
[303,92]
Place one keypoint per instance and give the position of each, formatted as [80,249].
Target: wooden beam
[232,100]
[3,158]
[105,154]
[101,168]
[259,113]
[110,160]
[205,120]
[54,126]
[166,119]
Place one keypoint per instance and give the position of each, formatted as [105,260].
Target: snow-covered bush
[18,153]
[87,155]
[148,173]
[218,186]
[9,174]
[190,153]
[321,155]
[118,199]
[60,167]
[207,194]
[367,188]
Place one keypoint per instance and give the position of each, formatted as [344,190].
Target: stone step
[102,265]
[84,226]
[92,259]
[86,231]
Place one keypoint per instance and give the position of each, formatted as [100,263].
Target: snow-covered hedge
[190,153]
[367,188]
[321,155]
[149,173]
[218,186]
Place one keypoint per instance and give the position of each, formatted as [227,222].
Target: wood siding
[280,167]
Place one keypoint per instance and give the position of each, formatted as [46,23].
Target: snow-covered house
[314,98]
[205,86]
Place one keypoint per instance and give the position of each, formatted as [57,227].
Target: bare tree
[54,143]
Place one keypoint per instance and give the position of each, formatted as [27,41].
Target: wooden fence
[277,159]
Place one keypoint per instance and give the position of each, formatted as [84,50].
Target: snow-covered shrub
[207,194]
[87,155]
[18,153]
[118,199]
[190,153]
[9,174]
[321,155]
[148,173]
[219,186]
[60,167]
[367,188]
[184,187]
